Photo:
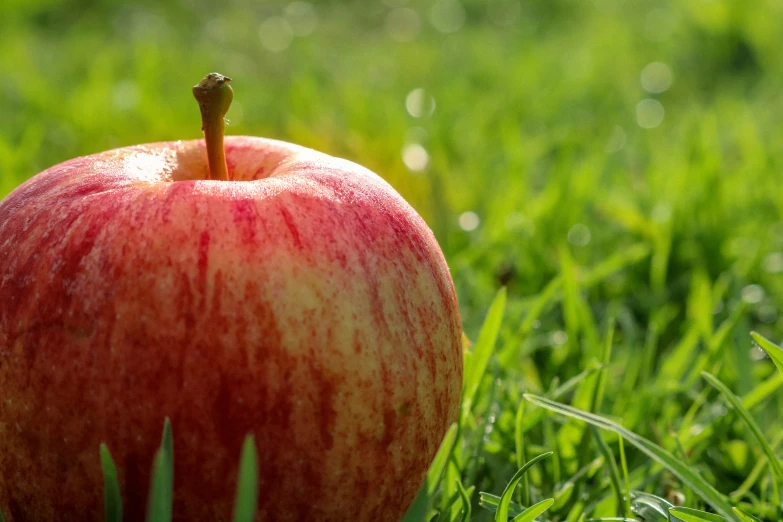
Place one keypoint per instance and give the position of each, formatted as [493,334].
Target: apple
[251,286]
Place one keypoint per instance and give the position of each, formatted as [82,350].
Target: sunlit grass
[636,256]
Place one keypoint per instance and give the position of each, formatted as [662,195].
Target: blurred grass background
[597,157]
[530,116]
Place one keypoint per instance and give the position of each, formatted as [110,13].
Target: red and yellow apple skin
[306,302]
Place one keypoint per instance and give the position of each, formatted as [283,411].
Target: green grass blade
[491,502]
[575,381]
[467,509]
[572,296]
[606,356]
[418,510]
[775,352]
[538,305]
[614,471]
[519,446]
[482,352]
[691,478]
[534,511]
[626,482]
[247,484]
[435,472]
[501,515]
[694,515]
[613,519]
[727,327]
[677,362]
[740,409]
[762,392]
[700,305]
[111,488]
[614,263]
[2,519]
[750,480]
[162,486]
[746,517]
[533,417]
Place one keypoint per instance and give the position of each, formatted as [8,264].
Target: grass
[633,259]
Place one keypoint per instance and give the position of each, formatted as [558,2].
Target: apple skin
[306,303]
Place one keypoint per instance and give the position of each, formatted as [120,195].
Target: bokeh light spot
[469,221]
[656,77]
[558,338]
[773,263]
[752,294]
[649,113]
[447,16]
[302,18]
[419,103]
[579,235]
[276,34]
[415,157]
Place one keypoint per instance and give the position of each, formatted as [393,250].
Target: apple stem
[214,97]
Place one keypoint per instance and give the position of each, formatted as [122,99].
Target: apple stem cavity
[214,97]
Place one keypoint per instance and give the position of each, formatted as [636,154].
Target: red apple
[304,301]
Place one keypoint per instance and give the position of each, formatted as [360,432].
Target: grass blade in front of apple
[112,494]
[162,484]
[247,483]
